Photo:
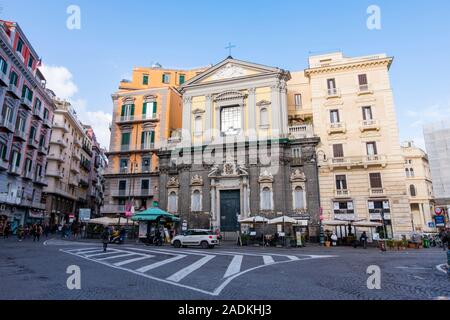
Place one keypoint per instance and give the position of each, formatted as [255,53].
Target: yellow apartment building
[146,112]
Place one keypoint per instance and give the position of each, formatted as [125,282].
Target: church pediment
[232,69]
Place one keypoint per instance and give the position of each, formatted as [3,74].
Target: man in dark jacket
[445,238]
[105,238]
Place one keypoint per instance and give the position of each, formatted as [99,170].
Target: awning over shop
[254,219]
[334,223]
[368,224]
[282,220]
[106,221]
[153,214]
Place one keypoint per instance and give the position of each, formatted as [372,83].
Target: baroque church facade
[239,153]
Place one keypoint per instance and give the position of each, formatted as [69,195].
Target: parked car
[196,237]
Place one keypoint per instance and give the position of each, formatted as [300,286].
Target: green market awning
[153,214]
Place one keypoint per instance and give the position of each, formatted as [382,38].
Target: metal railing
[302,130]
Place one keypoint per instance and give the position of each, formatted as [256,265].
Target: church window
[173,202]
[264,117]
[299,200]
[196,204]
[266,199]
[198,125]
[230,119]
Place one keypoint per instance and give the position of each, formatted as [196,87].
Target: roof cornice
[350,66]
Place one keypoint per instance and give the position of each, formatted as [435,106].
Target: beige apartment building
[419,187]
[69,165]
[350,103]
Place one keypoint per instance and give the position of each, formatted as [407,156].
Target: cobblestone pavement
[38,271]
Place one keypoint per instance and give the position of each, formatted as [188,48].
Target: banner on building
[84,214]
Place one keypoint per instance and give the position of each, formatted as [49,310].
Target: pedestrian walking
[20,233]
[445,238]
[334,239]
[75,230]
[7,231]
[105,238]
[363,239]
[37,232]
[46,230]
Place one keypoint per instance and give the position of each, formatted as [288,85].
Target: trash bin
[426,243]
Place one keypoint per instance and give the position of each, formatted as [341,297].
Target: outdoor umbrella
[153,214]
[283,220]
[254,219]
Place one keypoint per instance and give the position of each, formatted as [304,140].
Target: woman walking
[37,232]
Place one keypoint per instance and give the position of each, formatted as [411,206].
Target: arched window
[198,124]
[264,118]
[412,190]
[196,204]
[411,172]
[173,202]
[299,200]
[407,172]
[266,199]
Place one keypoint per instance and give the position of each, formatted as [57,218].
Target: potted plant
[390,244]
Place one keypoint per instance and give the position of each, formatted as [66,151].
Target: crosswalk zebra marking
[118,256]
[232,272]
[178,276]
[121,263]
[268,260]
[234,266]
[159,263]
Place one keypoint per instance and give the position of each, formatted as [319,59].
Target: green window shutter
[145,79]
[163,78]
[3,151]
[24,91]
[132,109]
[152,136]
[123,111]
[125,138]
[154,107]
[142,137]
[144,108]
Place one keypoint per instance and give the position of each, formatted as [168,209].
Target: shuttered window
[341,182]
[375,180]
[362,79]
[338,150]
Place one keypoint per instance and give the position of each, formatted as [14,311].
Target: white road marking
[101,254]
[441,268]
[84,249]
[234,267]
[268,260]
[293,258]
[178,276]
[90,251]
[119,256]
[420,278]
[413,268]
[121,263]
[159,263]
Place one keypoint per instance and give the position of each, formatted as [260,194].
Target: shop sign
[142,229]
[438,211]
[440,221]
[36,214]
[85,214]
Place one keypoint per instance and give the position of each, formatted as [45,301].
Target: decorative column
[276,116]
[207,130]
[213,202]
[187,119]
[251,109]
[283,108]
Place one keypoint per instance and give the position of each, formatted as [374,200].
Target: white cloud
[430,114]
[59,79]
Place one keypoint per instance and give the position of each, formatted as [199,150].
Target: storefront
[380,211]
[35,216]
[154,219]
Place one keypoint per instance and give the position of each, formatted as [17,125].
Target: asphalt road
[39,271]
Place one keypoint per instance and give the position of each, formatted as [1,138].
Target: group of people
[35,231]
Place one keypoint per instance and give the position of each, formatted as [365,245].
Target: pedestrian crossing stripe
[233,270]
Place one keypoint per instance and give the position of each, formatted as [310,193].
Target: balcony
[338,162]
[342,193]
[364,89]
[367,125]
[76,156]
[4,79]
[47,123]
[59,142]
[145,192]
[60,126]
[337,127]
[138,118]
[125,147]
[119,193]
[301,131]
[42,149]
[28,175]
[374,160]
[124,170]
[112,208]
[55,173]
[56,157]
[26,102]
[376,192]
[40,180]
[146,169]
[14,170]
[20,135]
[75,169]
[4,197]
[5,123]
[33,143]
[74,181]
[77,142]
[37,113]
[147,146]
[14,90]
[333,93]
[4,165]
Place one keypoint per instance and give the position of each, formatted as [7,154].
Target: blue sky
[117,35]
